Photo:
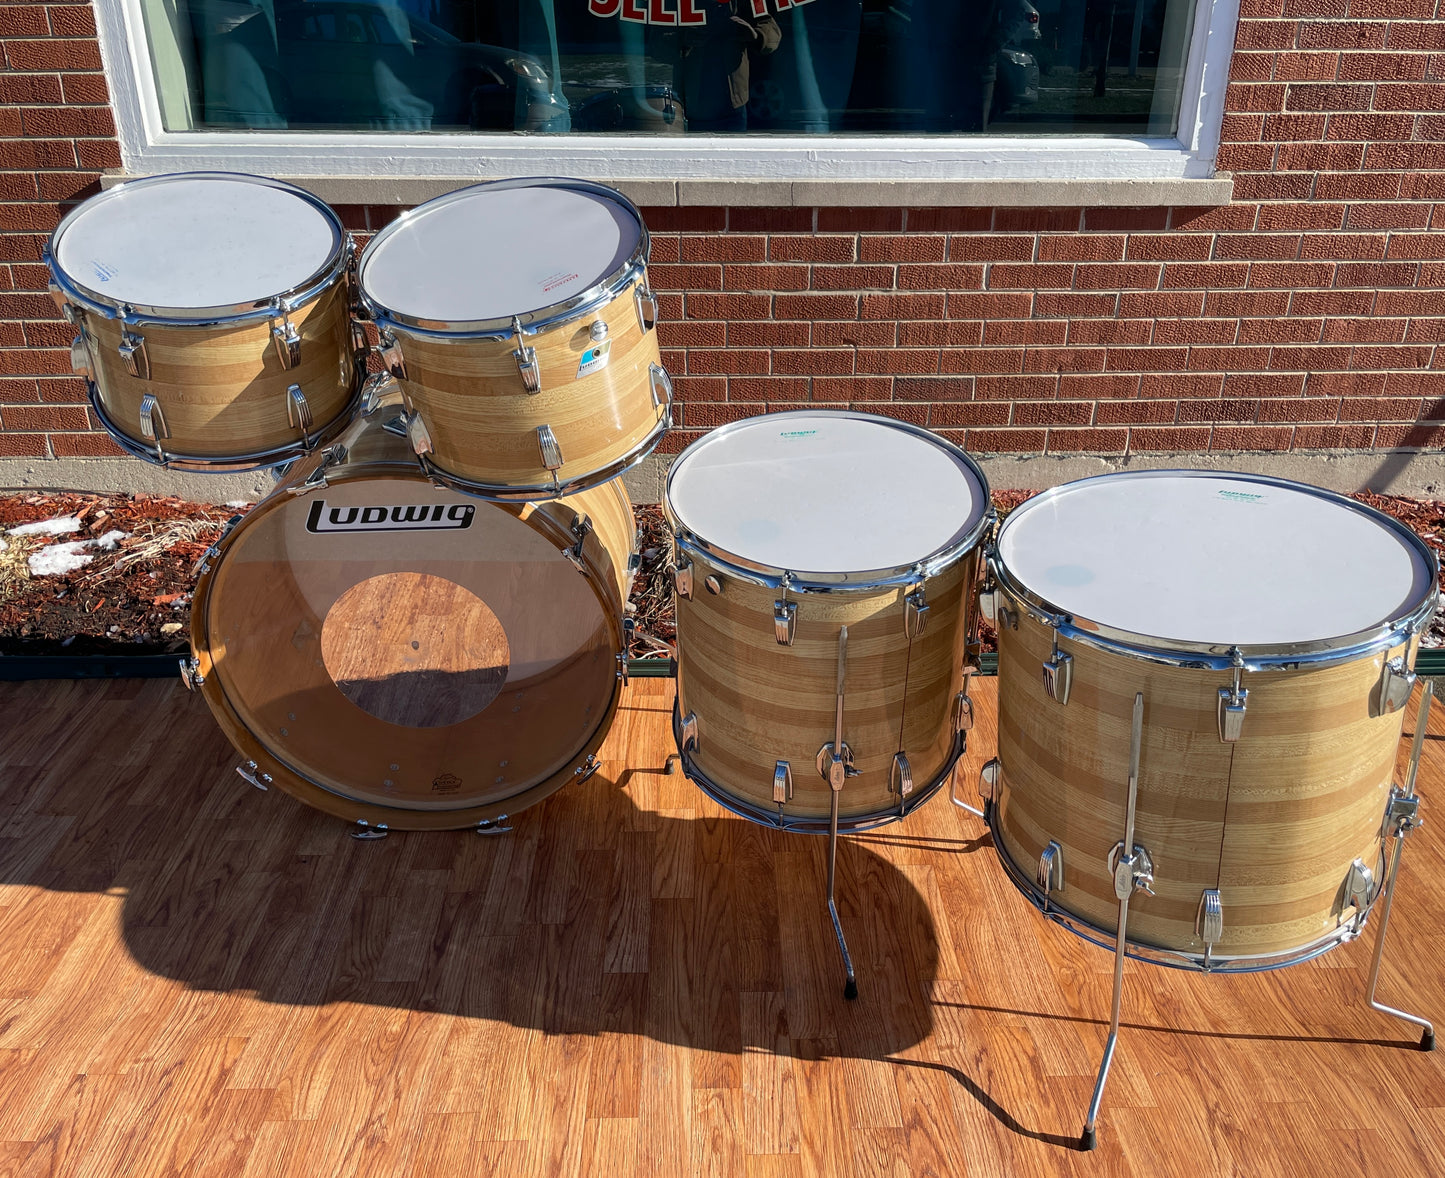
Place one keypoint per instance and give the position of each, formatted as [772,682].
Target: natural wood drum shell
[758,702]
[222,390]
[483,423]
[1272,821]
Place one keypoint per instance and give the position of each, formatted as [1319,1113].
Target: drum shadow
[603,910]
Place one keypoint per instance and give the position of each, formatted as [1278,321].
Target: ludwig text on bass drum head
[213,318]
[396,653]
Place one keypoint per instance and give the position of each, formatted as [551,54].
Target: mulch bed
[136,556]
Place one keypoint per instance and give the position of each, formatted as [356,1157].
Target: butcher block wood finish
[222,390]
[483,422]
[1272,821]
[200,978]
[758,702]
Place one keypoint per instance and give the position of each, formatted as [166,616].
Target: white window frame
[148,148]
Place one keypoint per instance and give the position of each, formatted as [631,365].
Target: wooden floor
[198,977]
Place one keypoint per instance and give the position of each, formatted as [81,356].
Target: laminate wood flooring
[197,977]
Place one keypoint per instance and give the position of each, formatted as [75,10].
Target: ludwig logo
[407,517]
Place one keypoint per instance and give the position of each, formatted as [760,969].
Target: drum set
[425,625]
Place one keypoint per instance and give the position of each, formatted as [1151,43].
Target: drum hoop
[304,292]
[771,818]
[606,289]
[237,463]
[1170,958]
[314,792]
[1317,653]
[860,581]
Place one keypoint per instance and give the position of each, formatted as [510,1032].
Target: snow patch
[66,558]
[61,525]
[238,503]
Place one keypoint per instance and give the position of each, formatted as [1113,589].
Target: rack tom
[212,312]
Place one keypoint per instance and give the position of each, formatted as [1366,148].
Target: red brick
[1380,409]
[724,247]
[1241,128]
[884,335]
[668,219]
[27,306]
[23,20]
[1117,276]
[15,389]
[52,417]
[1421,96]
[1107,331]
[814,306]
[745,220]
[84,89]
[1318,157]
[1006,220]
[34,153]
[1301,216]
[1241,246]
[912,247]
[1306,67]
[1052,413]
[1065,360]
[1207,220]
[1125,220]
[700,388]
[45,335]
[1147,359]
[1382,67]
[1374,275]
[1292,129]
[1370,128]
[1426,34]
[1170,247]
[1193,331]
[1364,330]
[1350,384]
[1005,276]
[993,305]
[1094,386]
[72,20]
[767,388]
[971,414]
[29,88]
[1261,8]
[1193,412]
[17,186]
[914,414]
[1232,358]
[1266,34]
[1070,306]
[853,277]
[692,334]
[1025,331]
[902,306]
[813,362]
[1331,246]
[949,220]
[1357,186]
[59,122]
[1333,437]
[1406,356]
[33,445]
[1410,436]
[941,388]
[37,56]
[1314,358]
[1280,331]
[1331,302]
[1195,275]
[1337,34]
[731,360]
[1094,441]
[912,361]
[1136,412]
[1293,409]
[1253,67]
[768,277]
[1258,384]
[63,390]
[853,388]
[92,445]
[990,247]
[1329,97]
[671,278]
[1247,437]
[732,306]
[1177,438]
[1417,245]
[940,276]
[1254,97]
[711,414]
[860,220]
[949,333]
[1015,388]
[1419,384]
[1333,8]
[1289,275]
[812,249]
[1425,331]
[1243,157]
[982,360]
[986,441]
[1406,155]
[1160,304]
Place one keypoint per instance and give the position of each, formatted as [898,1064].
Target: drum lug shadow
[287,339]
[80,355]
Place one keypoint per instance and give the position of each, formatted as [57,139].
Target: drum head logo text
[407,517]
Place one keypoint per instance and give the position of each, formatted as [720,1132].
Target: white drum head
[1216,560]
[196,241]
[826,492]
[489,253]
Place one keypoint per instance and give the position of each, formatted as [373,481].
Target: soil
[136,597]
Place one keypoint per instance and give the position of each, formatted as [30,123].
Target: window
[786,89]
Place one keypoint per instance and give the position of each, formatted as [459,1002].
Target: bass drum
[397,654]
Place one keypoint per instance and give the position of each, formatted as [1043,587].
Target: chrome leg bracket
[839,769]
[365,832]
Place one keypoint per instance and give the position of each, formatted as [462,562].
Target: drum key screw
[599,330]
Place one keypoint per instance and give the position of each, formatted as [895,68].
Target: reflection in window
[672,67]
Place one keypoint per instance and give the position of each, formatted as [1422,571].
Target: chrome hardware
[249,772]
[1008,619]
[526,358]
[1396,683]
[287,340]
[1232,702]
[785,621]
[551,451]
[598,330]
[191,673]
[396,425]
[682,580]
[581,528]
[915,613]
[988,779]
[331,456]
[1402,813]
[132,351]
[1209,921]
[298,412]
[490,826]
[661,385]
[418,433]
[988,603]
[835,759]
[646,308]
[629,628]
[1058,673]
[373,390]
[1132,873]
[825,759]
[366,833]
[1051,869]
[962,712]
[1359,888]
[153,423]
[713,585]
[587,768]
[80,355]
[388,349]
[900,776]
[690,734]
[203,565]
[782,782]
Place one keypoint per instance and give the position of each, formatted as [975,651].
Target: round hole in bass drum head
[405,655]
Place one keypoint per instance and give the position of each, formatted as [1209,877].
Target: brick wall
[1304,315]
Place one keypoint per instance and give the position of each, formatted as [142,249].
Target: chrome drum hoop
[1171,958]
[607,289]
[335,269]
[234,463]
[1324,653]
[776,821]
